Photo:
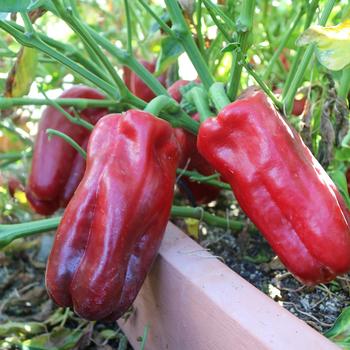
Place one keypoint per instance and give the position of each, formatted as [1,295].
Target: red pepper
[112,228]
[190,158]
[280,186]
[57,168]
[137,86]
[299,103]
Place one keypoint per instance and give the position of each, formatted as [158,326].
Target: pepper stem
[9,233]
[169,110]
[67,139]
[160,103]
[218,96]
[200,100]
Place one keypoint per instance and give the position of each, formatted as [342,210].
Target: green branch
[213,220]
[195,176]
[244,27]
[184,36]
[9,233]
[80,103]
[296,82]
[68,139]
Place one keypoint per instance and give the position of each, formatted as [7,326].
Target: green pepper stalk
[244,26]
[168,109]
[9,233]
[290,95]
[184,36]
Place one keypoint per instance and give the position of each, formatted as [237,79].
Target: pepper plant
[231,47]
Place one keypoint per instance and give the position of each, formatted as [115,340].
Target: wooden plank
[192,301]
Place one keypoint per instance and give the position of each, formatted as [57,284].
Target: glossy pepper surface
[280,186]
[112,228]
[57,167]
[190,159]
[137,86]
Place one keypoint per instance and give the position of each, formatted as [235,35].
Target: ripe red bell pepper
[57,167]
[112,228]
[280,186]
[137,86]
[199,193]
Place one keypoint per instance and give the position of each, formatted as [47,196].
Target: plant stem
[160,103]
[244,26]
[9,233]
[210,219]
[68,139]
[81,103]
[169,110]
[184,36]
[200,39]
[218,96]
[264,87]
[200,100]
[311,10]
[161,23]
[195,176]
[220,26]
[130,61]
[79,28]
[128,25]
[218,12]
[75,120]
[16,155]
[290,95]
[20,133]
[35,42]
[283,43]
[68,50]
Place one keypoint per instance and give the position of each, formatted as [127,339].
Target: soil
[24,301]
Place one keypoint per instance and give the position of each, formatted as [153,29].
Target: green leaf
[340,332]
[230,47]
[339,179]
[170,50]
[342,154]
[58,339]
[21,328]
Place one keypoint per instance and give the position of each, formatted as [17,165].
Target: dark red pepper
[280,186]
[112,228]
[137,86]
[200,193]
[57,168]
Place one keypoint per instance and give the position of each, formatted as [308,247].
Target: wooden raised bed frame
[192,301]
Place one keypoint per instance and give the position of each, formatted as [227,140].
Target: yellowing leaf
[22,74]
[332,44]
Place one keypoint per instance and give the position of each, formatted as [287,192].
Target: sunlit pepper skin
[199,193]
[112,228]
[280,186]
[137,86]
[57,168]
